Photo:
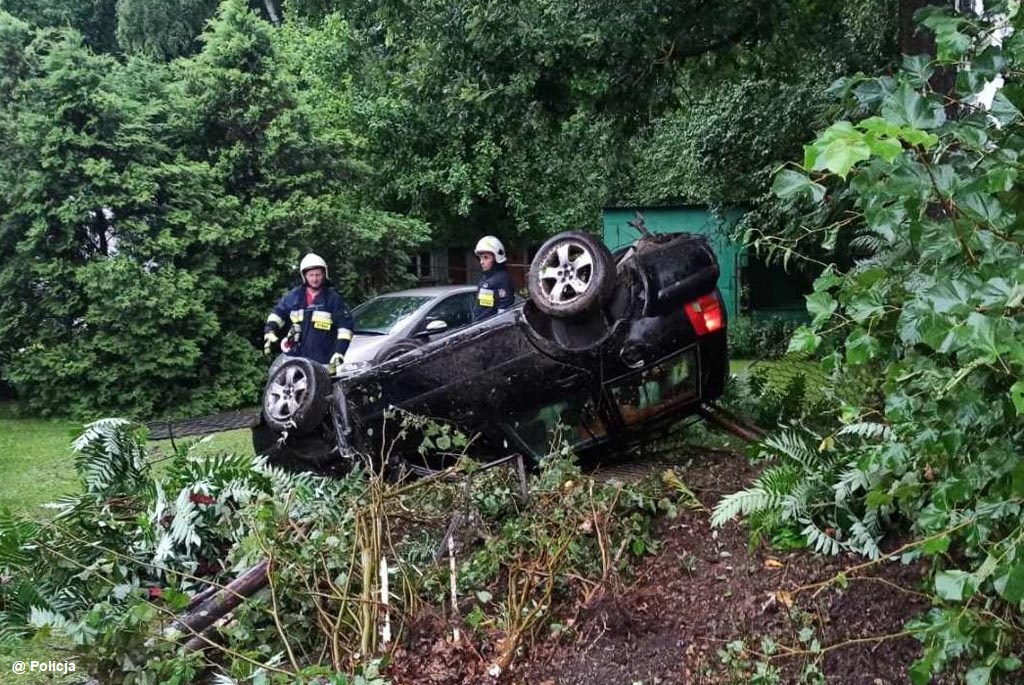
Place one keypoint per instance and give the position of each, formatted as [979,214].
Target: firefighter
[318,325]
[495,293]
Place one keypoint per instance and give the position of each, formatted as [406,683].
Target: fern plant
[812,486]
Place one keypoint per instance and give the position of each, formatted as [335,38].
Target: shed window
[424,265]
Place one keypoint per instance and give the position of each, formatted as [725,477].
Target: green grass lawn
[35,459]
[38,465]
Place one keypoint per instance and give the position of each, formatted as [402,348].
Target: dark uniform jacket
[494,294]
[323,328]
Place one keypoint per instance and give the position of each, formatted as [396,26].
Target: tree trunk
[275,18]
[198,619]
[912,40]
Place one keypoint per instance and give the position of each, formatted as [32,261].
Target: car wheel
[396,350]
[295,399]
[572,274]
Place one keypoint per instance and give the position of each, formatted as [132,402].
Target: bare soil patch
[701,591]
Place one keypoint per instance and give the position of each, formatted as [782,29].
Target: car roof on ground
[430,291]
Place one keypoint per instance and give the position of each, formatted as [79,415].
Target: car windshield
[380,315]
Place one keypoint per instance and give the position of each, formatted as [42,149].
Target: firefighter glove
[336,362]
[269,338]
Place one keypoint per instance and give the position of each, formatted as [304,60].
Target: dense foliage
[922,338]
[151,214]
[122,559]
[163,165]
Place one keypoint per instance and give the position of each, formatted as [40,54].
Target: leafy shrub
[921,338]
[759,337]
[123,559]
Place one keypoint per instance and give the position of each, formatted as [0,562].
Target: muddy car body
[607,350]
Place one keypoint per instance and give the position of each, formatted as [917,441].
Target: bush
[921,340]
[759,338]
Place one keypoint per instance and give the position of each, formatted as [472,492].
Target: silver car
[393,324]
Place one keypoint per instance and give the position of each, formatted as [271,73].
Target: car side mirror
[435,326]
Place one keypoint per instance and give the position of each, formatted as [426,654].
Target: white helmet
[491,244]
[312,261]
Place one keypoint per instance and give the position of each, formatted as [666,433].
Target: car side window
[456,311]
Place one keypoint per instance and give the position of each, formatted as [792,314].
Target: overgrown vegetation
[922,338]
[759,337]
[349,562]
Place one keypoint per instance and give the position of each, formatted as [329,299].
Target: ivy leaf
[936,546]
[945,297]
[921,672]
[864,307]
[983,333]
[804,340]
[1011,586]
[1017,396]
[871,92]
[950,43]
[841,155]
[885,220]
[954,586]
[821,306]
[1003,110]
[1000,179]
[906,107]
[918,69]
[971,136]
[979,675]
[828,279]
[984,208]
[789,184]
[861,347]
[990,63]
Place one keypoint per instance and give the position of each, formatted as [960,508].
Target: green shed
[684,219]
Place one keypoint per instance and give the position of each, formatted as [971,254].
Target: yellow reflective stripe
[344,334]
[296,315]
[275,319]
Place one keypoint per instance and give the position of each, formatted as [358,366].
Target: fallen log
[221,602]
[732,423]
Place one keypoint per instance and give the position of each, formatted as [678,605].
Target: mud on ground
[702,591]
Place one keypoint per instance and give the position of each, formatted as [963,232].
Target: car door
[455,310]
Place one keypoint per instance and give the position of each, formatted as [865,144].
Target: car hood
[364,348]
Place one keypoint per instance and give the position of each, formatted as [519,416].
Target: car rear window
[644,394]
[381,314]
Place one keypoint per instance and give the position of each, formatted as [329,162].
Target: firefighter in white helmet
[495,292]
[318,324]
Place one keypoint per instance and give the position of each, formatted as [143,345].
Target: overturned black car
[610,347]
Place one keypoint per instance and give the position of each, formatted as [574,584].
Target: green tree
[94,19]
[514,117]
[922,336]
[162,30]
[103,301]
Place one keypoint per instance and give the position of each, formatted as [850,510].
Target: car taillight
[705,314]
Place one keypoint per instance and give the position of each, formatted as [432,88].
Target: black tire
[395,350]
[275,365]
[572,274]
[295,398]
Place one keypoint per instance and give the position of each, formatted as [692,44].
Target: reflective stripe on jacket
[495,293]
[325,326]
